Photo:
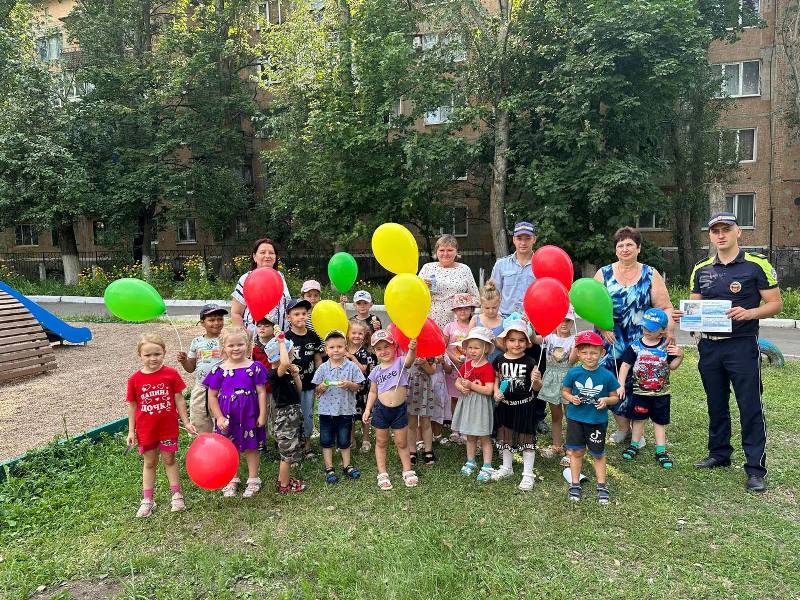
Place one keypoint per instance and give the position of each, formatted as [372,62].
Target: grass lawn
[68,523]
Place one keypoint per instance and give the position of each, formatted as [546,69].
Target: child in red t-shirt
[474,414]
[154,404]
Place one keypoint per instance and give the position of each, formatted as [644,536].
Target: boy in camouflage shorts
[287,425]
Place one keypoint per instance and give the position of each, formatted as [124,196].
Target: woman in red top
[474,414]
[154,404]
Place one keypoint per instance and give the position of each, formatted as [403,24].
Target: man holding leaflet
[746,279]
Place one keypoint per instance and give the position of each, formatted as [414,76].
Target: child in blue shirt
[588,389]
[337,380]
[651,360]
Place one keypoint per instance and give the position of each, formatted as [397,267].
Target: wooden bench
[24,348]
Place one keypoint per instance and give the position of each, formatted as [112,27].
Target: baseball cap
[311,284]
[654,319]
[211,309]
[335,333]
[298,303]
[382,335]
[362,295]
[463,301]
[524,228]
[723,217]
[273,351]
[520,326]
[588,337]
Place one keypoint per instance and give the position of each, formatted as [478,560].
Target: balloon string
[178,335]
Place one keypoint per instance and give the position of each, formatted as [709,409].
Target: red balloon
[430,341]
[552,261]
[546,303]
[263,289]
[212,461]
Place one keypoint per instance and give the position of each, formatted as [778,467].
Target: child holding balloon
[237,398]
[387,396]
[155,403]
[474,414]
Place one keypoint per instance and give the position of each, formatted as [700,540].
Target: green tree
[42,178]
[346,158]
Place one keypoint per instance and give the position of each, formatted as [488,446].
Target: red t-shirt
[484,374]
[154,394]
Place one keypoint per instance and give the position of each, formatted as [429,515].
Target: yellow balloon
[395,248]
[327,316]
[408,302]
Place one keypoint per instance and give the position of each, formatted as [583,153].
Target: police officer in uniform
[750,283]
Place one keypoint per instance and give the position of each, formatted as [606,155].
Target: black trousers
[734,361]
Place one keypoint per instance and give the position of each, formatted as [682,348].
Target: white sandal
[229,491]
[177,503]
[253,486]
[410,478]
[146,508]
[383,482]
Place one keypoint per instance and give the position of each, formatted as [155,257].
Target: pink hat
[311,284]
[570,313]
[463,301]
[382,335]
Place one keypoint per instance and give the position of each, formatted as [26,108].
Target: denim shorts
[335,430]
[389,417]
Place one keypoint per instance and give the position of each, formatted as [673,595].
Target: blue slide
[55,328]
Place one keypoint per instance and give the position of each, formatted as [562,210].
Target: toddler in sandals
[337,380]
[386,404]
[651,359]
[237,397]
[474,414]
[155,403]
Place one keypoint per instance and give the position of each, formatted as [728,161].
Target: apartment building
[765,193]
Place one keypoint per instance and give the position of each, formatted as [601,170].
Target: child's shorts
[287,427]
[199,414]
[655,408]
[586,435]
[389,417]
[335,430]
[163,445]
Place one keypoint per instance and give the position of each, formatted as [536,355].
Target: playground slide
[52,325]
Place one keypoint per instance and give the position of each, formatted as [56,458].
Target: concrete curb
[780,323]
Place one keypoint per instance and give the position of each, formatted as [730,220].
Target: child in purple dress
[237,398]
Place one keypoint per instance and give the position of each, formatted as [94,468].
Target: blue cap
[273,351]
[723,217]
[525,228]
[655,319]
[298,303]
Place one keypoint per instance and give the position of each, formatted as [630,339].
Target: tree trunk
[68,246]
[497,196]
[147,238]
[716,203]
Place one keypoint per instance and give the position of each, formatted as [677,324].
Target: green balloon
[591,300]
[133,300]
[343,271]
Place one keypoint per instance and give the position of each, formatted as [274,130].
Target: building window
[187,231]
[442,113]
[650,220]
[100,234]
[739,79]
[454,48]
[27,235]
[749,12]
[49,48]
[273,11]
[456,222]
[743,206]
[72,88]
[739,143]
[54,239]
[241,229]
[391,117]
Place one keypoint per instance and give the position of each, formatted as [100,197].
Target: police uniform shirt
[739,281]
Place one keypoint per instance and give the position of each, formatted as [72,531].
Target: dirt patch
[85,390]
[81,589]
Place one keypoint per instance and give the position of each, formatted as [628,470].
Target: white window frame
[263,11]
[655,222]
[183,229]
[740,65]
[454,221]
[756,11]
[20,232]
[440,115]
[422,42]
[50,40]
[735,207]
[737,135]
